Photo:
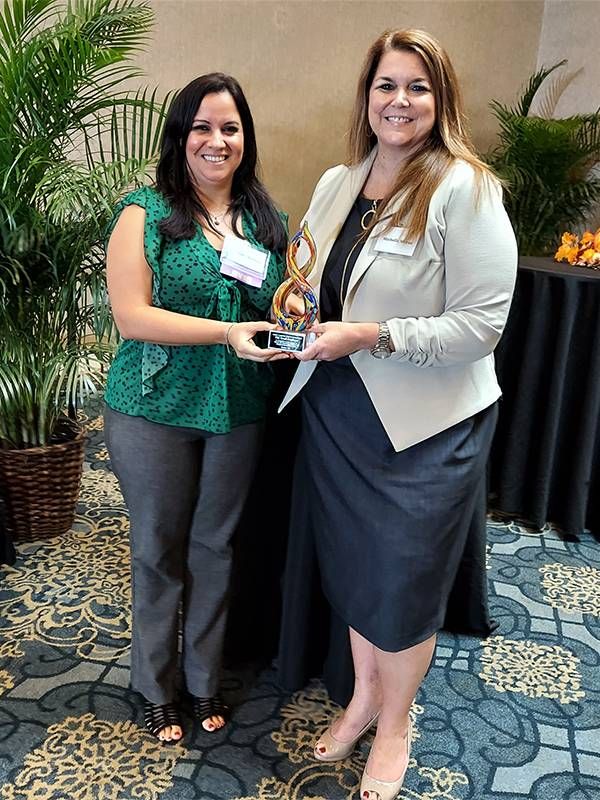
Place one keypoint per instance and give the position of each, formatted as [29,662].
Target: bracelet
[227,345]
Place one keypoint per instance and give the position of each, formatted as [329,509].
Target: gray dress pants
[185,490]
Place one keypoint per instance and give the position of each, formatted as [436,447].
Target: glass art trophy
[293,336]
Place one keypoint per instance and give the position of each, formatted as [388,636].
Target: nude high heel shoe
[372,789]
[336,750]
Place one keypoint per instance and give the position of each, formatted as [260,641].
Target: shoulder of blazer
[461,181]
[330,180]
[339,182]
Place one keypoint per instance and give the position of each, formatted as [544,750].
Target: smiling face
[215,143]
[401,103]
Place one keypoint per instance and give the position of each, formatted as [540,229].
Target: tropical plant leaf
[546,167]
[19,18]
[534,83]
[73,139]
[546,104]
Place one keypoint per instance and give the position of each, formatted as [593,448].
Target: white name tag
[391,242]
[243,261]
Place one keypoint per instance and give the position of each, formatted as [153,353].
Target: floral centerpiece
[581,251]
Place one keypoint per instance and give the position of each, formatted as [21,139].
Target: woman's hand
[337,339]
[240,337]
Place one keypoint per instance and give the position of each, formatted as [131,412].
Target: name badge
[243,261]
[391,242]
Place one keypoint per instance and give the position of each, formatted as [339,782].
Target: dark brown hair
[173,176]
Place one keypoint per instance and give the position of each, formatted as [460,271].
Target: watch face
[380,353]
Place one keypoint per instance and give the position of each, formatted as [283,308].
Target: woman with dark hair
[192,265]
[416,266]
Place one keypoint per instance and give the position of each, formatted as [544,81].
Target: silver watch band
[382,347]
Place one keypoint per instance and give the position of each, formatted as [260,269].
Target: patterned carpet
[513,717]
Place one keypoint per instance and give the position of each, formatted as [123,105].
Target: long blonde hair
[449,140]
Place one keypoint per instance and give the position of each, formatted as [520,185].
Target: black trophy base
[290,341]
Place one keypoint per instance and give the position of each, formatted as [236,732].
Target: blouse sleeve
[480,255]
[156,209]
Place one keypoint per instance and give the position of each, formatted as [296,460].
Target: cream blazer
[446,304]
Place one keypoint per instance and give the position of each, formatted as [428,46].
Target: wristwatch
[382,347]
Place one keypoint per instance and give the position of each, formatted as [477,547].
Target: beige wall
[298,61]
[566,27]
[569,28]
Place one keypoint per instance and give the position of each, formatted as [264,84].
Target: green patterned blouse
[196,386]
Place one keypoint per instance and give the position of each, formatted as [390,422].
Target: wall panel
[298,62]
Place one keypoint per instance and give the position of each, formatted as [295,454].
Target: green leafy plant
[72,140]
[546,165]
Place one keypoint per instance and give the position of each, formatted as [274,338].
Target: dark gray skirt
[390,527]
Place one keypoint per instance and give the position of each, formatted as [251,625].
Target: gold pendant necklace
[368,215]
[352,249]
[364,224]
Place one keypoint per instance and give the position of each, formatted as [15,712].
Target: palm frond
[35,387]
[20,18]
[546,167]
[534,83]
[73,138]
[121,26]
[70,192]
[546,105]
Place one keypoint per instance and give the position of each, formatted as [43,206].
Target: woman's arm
[480,255]
[337,339]
[129,279]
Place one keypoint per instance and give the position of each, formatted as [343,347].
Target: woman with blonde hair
[416,267]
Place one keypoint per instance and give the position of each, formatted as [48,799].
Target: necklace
[364,224]
[368,215]
[216,219]
[352,249]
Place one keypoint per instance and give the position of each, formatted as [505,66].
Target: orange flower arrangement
[580,252]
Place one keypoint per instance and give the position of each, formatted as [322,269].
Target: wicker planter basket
[40,485]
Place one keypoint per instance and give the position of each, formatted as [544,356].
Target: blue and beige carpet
[516,716]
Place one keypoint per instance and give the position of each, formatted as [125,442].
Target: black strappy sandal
[157,717]
[206,707]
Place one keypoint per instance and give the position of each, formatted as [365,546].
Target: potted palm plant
[546,164]
[71,141]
